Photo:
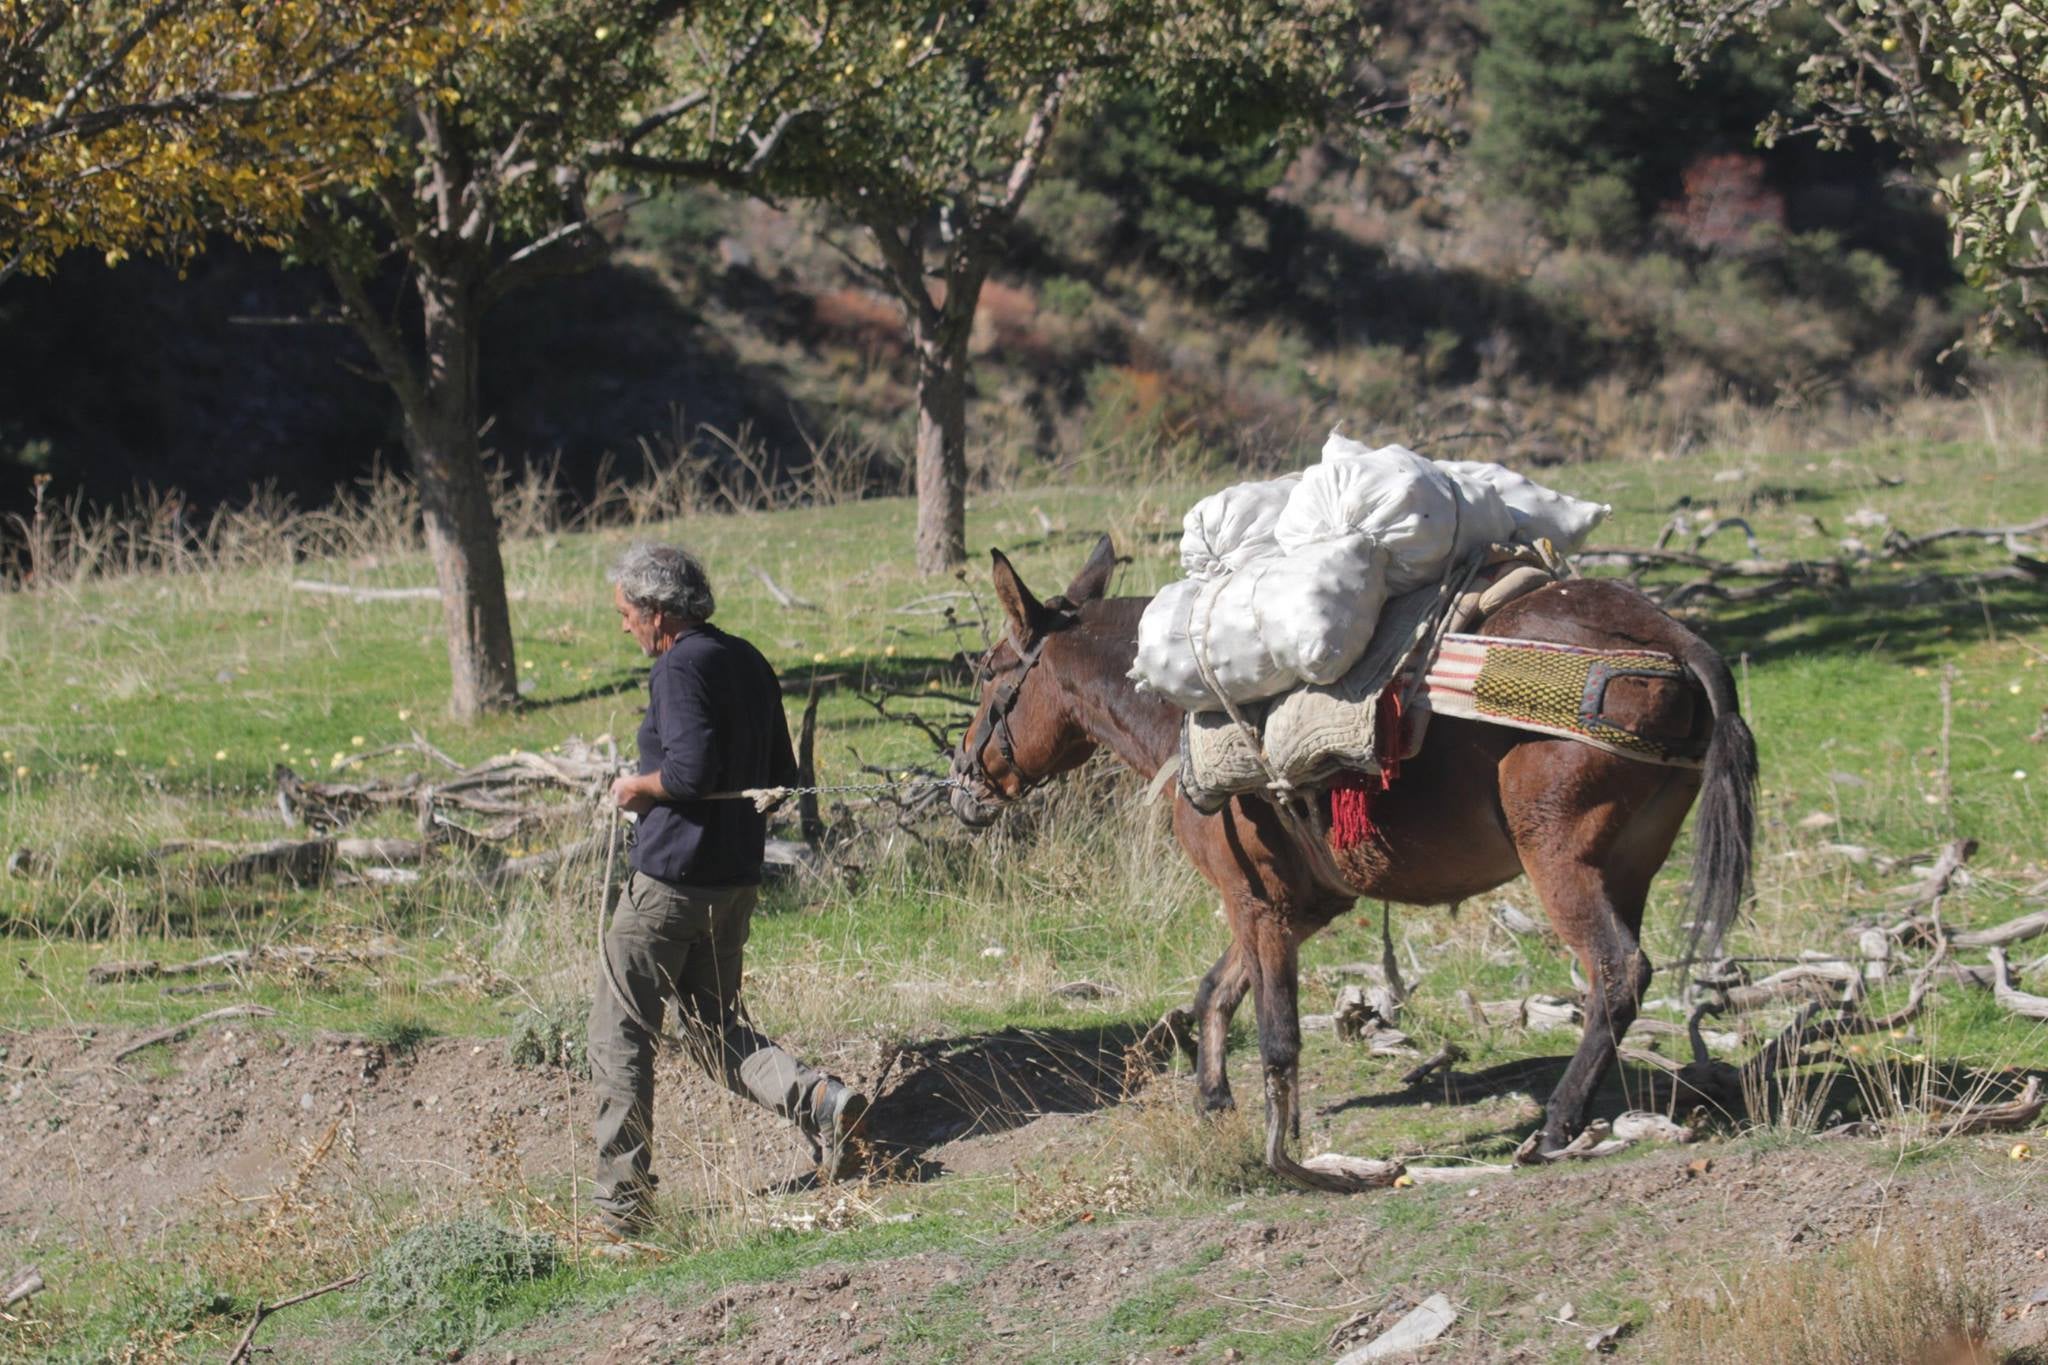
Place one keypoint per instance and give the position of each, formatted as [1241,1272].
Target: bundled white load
[1286,578]
[1540,513]
[1230,529]
[1424,518]
[1218,614]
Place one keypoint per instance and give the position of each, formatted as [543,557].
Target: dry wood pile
[1829,993]
[1832,995]
[485,810]
[1758,576]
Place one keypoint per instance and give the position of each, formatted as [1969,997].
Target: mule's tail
[1724,826]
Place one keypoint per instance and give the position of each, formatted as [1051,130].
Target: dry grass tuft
[1905,1298]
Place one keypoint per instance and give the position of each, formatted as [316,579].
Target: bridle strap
[995,721]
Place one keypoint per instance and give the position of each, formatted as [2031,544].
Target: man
[714,724]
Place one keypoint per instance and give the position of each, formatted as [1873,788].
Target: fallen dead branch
[1759,576]
[1593,1142]
[2010,996]
[238,960]
[1993,1118]
[1362,1017]
[304,861]
[1425,1323]
[500,786]
[1444,1058]
[784,598]
[26,1285]
[264,1310]
[1999,935]
[1932,890]
[1809,980]
[177,1031]
[1535,1012]
[1904,546]
[355,594]
[514,869]
[1773,576]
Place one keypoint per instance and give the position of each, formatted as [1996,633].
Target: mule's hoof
[1542,1148]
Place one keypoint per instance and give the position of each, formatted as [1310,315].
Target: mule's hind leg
[1593,874]
[1216,999]
[1600,925]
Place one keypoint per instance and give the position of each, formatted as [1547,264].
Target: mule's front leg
[1216,999]
[1275,976]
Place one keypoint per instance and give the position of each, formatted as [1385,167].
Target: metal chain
[758,794]
[905,784]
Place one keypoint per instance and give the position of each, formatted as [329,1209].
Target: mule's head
[1026,728]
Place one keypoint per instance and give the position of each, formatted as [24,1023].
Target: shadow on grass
[1536,1076]
[617,687]
[981,1084]
[1896,619]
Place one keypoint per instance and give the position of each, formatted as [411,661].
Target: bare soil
[96,1142]
[95,1145]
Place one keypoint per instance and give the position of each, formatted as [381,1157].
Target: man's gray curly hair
[664,578]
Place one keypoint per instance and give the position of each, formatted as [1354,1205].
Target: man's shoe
[839,1116]
[623,1227]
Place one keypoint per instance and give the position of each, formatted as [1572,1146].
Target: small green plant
[434,1286]
[399,1032]
[552,1035]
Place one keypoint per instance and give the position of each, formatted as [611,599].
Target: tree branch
[62,123]
[904,265]
[1025,171]
[378,336]
[549,254]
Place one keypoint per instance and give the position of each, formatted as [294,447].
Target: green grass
[117,696]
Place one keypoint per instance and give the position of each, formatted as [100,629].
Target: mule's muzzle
[973,813]
[970,808]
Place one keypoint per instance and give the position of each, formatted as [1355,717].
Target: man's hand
[630,794]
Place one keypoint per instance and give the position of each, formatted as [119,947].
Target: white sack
[1222,611]
[1318,605]
[1539,512]
[1484,518]
[1392,496]
[1230,529]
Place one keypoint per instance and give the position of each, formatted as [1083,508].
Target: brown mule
[1478,805]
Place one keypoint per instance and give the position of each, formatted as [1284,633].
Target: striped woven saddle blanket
[1569,691]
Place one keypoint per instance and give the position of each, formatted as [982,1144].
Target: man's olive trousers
[686,942]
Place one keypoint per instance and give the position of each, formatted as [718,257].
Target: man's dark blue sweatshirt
[714,724]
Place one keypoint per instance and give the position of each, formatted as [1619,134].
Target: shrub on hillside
[1198,213]
[434,1287]
[1574,94]
[1600,213]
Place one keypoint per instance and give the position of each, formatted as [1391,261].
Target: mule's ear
[1093,579]
[1025,613]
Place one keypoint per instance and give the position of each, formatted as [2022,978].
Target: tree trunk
[462,528]
[942,447]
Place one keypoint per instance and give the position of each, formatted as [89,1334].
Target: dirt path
[97,1144]
[1512,1254]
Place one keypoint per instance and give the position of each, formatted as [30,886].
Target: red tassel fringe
[1351,794]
